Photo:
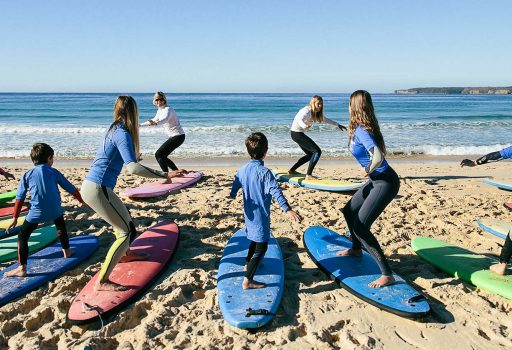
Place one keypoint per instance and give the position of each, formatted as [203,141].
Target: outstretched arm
[490,157]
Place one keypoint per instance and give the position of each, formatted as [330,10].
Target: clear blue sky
[252,46]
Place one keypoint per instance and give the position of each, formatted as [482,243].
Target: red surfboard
[508,205]
[159,242]
[6,212]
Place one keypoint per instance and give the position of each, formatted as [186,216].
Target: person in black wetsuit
[506,252]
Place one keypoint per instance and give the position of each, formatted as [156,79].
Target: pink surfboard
[508,205]
[8,211]
[155,189]
[159,242]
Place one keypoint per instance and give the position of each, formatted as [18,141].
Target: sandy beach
[437,199]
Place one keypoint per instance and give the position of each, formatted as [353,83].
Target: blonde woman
[304,119]
[118,148]
[367,146]
[167,117]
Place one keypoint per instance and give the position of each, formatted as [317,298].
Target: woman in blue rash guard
[506,252]
[367,146]
[118,148]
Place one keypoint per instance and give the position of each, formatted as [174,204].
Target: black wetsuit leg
[365,207]
[313,152]
[254,255]
[26,230]
[163,152]
[506,251]
[62,232]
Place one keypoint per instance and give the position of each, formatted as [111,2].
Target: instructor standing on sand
[119,146]
[167,117]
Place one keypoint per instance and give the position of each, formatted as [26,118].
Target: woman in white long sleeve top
[304,119]
[166,116]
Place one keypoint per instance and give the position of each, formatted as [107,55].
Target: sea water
[217,124]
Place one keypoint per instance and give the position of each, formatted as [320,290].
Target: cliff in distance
[458,90]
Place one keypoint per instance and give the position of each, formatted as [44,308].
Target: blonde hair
[126,114]
[159,94]
[362,113]
[318,116]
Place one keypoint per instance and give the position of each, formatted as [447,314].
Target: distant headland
[458,91]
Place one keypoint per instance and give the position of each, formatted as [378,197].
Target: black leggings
[506,251]
[254,255]
[26,230]
[313,152]
[163,152]
[363,209]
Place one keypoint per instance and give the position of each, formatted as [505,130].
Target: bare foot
[168,181]
[382,281]
[252,284]
[109,286]
[500,269]
[131,256]
[311,177]
[68,253]
[17,272]
[350,252]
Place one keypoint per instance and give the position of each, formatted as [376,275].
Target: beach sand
[436,199]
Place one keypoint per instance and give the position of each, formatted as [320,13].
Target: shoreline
[216,162]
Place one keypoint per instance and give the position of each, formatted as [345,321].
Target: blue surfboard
[496,227]
[354,273]
[45,266]
[250,308]
[500,185]
[298,179]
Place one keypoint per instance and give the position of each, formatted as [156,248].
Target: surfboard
[251,308]
[6,212]
[159,242]
[508,205]
[354,273]
[7,197]
[156,189]
[4,224]
[463,264]
[39,239]
[45,266]
[500,185]
[496,227]
[322,185]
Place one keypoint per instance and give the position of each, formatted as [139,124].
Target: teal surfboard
[463,264]
[39,239]
[500,184]
[316,184]
[7,197]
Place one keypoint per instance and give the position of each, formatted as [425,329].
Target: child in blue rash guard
[506,252]
[259,186]
[367,146]
[45,205]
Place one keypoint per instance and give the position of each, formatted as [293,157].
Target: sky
[252,46]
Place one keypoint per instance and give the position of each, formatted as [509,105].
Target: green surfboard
[463,264]
[39,239]
[7,197]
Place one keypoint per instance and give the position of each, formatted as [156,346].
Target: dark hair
[40,153]
[257,145]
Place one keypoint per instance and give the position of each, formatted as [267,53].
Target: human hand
[342,128]
[294,216]
[151,122]
[12,225]
[467,162]
[363,172]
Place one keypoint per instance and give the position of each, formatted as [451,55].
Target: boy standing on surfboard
[42,182]
[259,186]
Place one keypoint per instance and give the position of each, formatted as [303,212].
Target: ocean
[217,124]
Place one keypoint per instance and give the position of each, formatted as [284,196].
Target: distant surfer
[304,119]
[367,145]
